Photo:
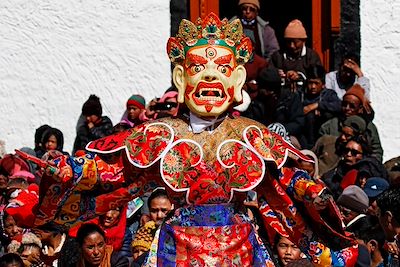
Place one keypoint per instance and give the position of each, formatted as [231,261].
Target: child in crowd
[53,139]
[38,139]
[286,250]
[134,107]
[142,242]
[319,104]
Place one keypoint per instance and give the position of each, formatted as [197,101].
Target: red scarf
[114,234]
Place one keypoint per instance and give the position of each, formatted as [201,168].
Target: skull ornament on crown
[209,58]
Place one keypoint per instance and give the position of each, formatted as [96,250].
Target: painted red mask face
[210,79]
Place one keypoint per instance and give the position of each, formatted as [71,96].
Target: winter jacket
[84,135]
[329,106]
[308,58]
[268,44]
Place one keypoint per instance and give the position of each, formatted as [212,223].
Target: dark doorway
[278,13]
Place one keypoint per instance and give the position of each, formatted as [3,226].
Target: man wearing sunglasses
[262,35]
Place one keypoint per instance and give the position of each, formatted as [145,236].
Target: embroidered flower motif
[261,148]
[172,162]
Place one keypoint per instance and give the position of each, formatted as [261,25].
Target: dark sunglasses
[350,105]
[354,152]
[245,8]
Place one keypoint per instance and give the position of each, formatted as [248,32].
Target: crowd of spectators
[329,116]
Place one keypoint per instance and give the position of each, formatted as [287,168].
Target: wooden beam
[201,8]
[335,16]
[316,27]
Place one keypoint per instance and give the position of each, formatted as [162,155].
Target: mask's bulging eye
[197,68]
[225,69]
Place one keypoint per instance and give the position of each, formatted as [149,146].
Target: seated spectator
[349,73]
[142,242]
[253,68]
[258,30]
[11,260]
[94,251]
[286,250]
[8,229]
[353,204]
[53,139]
[11,164]
[135,105]
[355,103]
[166,106]
[3,186]
[159,205]
[319,104]
[295,58]
[264,93]
[53,242]
[389,218]
[369,167]
[345,173]
[311,168]
[371,235]
[29,248]
[38,140]
[393,168]
[18,182]
[91,125]
[113,224]
[329,148]
[277,104]
[373,187]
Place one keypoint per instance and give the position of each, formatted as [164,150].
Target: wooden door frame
[324,27]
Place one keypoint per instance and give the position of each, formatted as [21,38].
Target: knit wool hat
[359,92]
[354,198]
[92,106]
[295,29]
[255,3]
[145,235]
[136,100]
[356,123]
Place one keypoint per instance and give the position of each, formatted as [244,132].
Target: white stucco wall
[54,54]
[380,56]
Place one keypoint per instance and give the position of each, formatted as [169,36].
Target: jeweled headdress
[210,30]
